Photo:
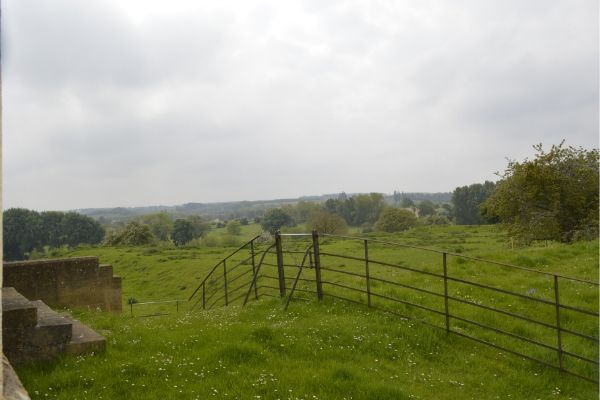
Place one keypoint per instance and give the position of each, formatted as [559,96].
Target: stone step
[33,331]
[85,340]
[17,312]
[81,339]
[50,336]
[56,327]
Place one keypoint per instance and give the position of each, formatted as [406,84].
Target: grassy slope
[329,350]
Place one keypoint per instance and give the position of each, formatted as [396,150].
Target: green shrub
[396,220]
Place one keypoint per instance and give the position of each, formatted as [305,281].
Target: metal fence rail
[358,284]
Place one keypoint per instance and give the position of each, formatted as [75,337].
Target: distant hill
[238,209]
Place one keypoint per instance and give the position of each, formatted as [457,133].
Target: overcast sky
[129,103]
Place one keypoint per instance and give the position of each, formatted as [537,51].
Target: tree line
[553,196]
[25,230]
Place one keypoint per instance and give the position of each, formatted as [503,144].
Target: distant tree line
[26,230]
[551,197]
[159,226]
[367,211]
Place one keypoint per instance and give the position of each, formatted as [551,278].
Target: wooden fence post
[280,270]
[315,237]
[204,295]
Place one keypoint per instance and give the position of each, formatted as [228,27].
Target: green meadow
[335,349]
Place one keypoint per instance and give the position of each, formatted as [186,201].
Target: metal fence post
[367,273]
[280,270]
[225,280]
[315,237]
[204,295]
[559,339]
[253,267]
[446,292]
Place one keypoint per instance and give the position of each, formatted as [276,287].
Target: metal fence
[529,313]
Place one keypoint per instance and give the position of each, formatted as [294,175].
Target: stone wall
[69,282]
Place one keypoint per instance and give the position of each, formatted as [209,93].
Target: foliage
[200,224]
[183,231]
[406,202]
[161,224]
[22,232]
[552,197]
[396,220]
[77,229]
[305,209]
[25,230]
[426,208]
[274,219]
[134,234]
[234,227]
[357,210]
[467,201]
[436,219]
[326,222]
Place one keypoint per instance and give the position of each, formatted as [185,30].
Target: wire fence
[548,318]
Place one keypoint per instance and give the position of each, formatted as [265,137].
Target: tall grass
[327,350]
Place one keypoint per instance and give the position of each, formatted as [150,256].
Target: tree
[305,209]
[22,230]
[326,222]
[554,196]
[396,220]
[467,201]
[234,227]
[407,202]
[183,232]
[26,230]
[160,224]
[52,228]
[367,207]
[274,219]
[77,229]
[201,226]
[426,208]
[134,234]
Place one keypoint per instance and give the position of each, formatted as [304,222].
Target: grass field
[332,349]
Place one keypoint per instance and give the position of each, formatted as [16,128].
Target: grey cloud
[240,101]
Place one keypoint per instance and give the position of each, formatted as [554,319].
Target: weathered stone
[13,388]
[68,282]
[51,335]
[85,340]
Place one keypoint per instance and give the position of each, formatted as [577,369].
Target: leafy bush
[552,197]
[234,227]
[436,220]
[326,222]
[134,234]
[230,241]
[396,220]
[274,219]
